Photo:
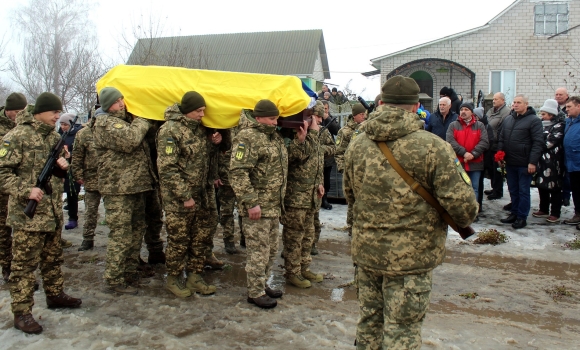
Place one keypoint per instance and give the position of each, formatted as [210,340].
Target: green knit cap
[191,101]
[318,109]
[108,96]
[400,90]
[266,108]
[15,102]
[357,109]
[46,102]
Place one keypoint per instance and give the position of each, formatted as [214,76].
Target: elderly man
[495,117]
[561,96]
[522,140]
[440,120]
[572,158]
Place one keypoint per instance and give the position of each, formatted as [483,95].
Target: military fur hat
[108,96]
[357,109]
[46,102]
[467,105]
[15,102]
[400,90]
[318,109]
[191,101]
[266,108]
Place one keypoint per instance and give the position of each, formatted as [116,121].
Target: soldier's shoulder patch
[4,149]
[240,151]
[169,146]
[338,139]
[462,172]
[118,126]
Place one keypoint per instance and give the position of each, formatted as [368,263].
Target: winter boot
[230,248]
[313,250]
[273,293]
[5,272]
[27,324]
[156,258]
[62,301]
[195,283]
[214,263]
[175,285]
[265,302]
[325,203]
[121,289]
[312,277]
[70,225]
[86,245]
[298,281]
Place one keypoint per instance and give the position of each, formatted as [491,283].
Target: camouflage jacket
[182,160]
[6,124]
[85,161]
[328,146]
[22,156]
[258,168]
[124,158]
[305,171]
[342,141]
[394,228]
[224,161]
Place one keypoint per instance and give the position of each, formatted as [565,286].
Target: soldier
[14,104]
[226,195]
[125,174]
[258,171]
[84,168]
[183,163]
[212,219]
[396,243]
[342,141]
[36,241]
[304,190]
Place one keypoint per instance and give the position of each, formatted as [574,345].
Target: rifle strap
[416,186]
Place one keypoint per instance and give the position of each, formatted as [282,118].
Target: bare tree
[58,40]
[349,93]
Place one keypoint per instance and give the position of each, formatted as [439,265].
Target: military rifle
[43,180]
[370,108]
[326,126]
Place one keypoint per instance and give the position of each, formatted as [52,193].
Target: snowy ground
[512,311]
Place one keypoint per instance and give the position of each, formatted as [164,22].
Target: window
[503,81]
[550,18]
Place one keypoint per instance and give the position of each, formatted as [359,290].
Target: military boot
[214,263]
[312,277]
[62,301]
[121,289]
[175,285]
[156,258]
[27,324]
[65,244]
[273,293]
[145,269]
[298,281]
[264,301]
[195,283]
[231,248]
[86,245]
[6,272]
[313,250]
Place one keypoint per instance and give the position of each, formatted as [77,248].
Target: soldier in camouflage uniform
[125,174]
[258,172]
[304,191]
[14,104]
[226,195]
[342,141]
[84,168]
[183,163]
[396,243]
[212,219]
[37,241]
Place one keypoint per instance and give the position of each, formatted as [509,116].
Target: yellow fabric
[149,90]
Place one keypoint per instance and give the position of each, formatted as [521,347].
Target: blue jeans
[474,176]
[519,182]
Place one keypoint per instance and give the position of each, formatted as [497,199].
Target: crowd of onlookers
[334,96]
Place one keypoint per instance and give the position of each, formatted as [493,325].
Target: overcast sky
[354,32]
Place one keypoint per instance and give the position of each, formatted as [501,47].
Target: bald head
[561,96]
[498,99]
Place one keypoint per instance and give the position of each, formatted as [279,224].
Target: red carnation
[499,156]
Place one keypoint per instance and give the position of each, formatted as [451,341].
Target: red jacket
[468,137]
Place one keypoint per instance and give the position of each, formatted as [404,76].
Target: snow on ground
[512,310]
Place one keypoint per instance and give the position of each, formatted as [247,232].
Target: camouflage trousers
[297,237]
[261,249]
[92,202]
[187,236]
[391,309]
[32,250]
[227,199]
[5,234]
[317,227]
[126,220]
[349,218]
[154,217]
[210,219]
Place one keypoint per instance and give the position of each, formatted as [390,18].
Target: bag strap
[416,186]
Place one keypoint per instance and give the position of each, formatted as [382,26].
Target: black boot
[510,219]
[519,223]
[325,203]
[86,245]
[265,302]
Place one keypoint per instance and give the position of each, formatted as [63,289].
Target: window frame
[557,21]
[502,87]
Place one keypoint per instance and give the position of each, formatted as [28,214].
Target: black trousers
[72,200]
[496,181]
[575,187]
[327,171]
[551,197]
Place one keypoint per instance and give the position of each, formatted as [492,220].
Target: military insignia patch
[169,146]
[338,140]
[462,172]
[4,150]
[118,126]
[241,151]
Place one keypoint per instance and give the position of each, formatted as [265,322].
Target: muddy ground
[512,309]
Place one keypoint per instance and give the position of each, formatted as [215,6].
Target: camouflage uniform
[305,175]
[258,172]
[153,207]
[396,243]
[343,139]
[6,124]
[227,197]
[125,174]
[212,218]
[85,167]
[329,149]
[183,163]
[36,241]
